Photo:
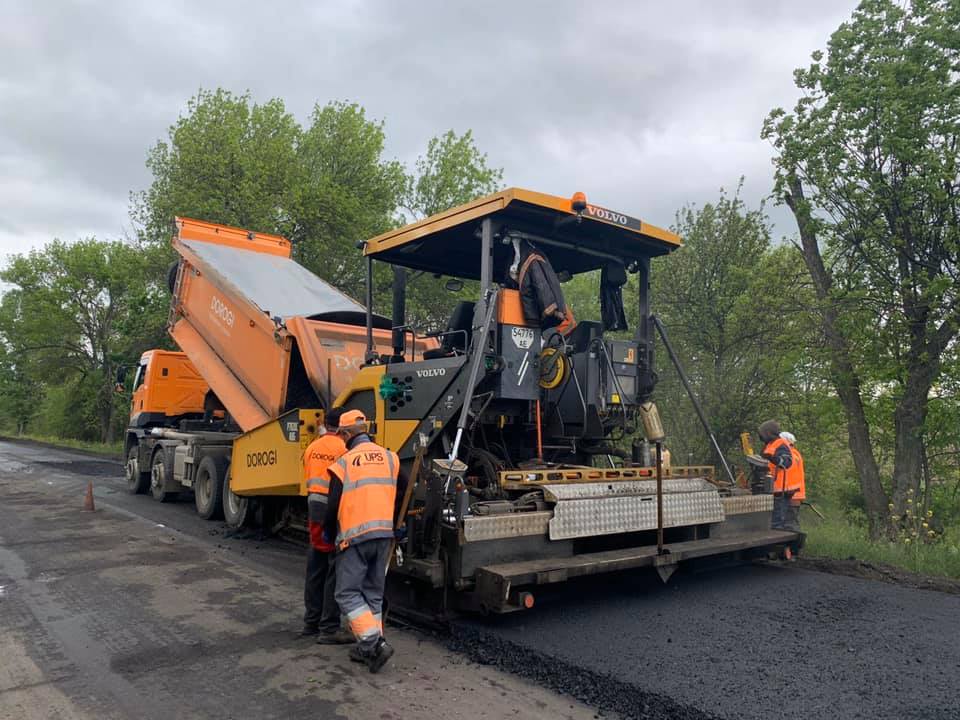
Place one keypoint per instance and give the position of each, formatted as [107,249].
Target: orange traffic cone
[88,498]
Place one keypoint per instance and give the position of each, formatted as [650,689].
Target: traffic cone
[88,498]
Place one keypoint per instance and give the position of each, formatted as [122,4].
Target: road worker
[365,489]
[322,616]
[799,478]
[540,293]
[783,474]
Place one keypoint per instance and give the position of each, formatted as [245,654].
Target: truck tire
[137,482]
[236,509]
[208,488]
[161,471]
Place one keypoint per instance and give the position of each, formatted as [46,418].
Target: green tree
[346,192]
[326,187]
[73,317]
[868,163]
[452,172]
[227,160]
[19,392]
[730,303]
[230,160]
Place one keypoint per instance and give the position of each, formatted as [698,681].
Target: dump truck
[533,448]
[264,347]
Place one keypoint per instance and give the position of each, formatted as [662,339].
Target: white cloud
[643,106]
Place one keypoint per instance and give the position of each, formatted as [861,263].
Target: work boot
[338,637]
[309,630]
[378,658]
[356,655]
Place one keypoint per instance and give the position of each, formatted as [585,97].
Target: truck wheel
[161,471]
[235,507]
[137,482]
[208,488]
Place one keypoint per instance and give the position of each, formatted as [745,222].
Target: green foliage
[68,409]
[78,311]
[868,162]
[326,186]
[452,172]
[345,193]
[228,161]
[731,305]
[19,393]
[74,315]
[842,538]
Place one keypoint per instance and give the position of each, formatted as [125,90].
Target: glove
[319,539]
[400,534]
[776,460]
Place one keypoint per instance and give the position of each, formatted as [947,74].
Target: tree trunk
[105,410]
[909,417]
[844,376]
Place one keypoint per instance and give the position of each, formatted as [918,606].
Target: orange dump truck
[265,346]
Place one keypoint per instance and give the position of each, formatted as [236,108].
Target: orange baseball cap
[351,419]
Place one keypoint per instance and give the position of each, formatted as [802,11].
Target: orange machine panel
[510,308]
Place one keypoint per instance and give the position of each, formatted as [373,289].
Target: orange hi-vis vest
[320,455]
[797,466]
[369,475]
[786,479]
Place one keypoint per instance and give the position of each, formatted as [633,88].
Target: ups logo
[367,457]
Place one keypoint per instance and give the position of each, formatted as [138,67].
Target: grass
[112,449]
[837,537]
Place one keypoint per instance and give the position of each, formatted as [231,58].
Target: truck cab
[166,388]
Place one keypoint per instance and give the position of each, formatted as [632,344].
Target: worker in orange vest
[365,489]
[321,617]
[785,474]
[540,293]
[801,494]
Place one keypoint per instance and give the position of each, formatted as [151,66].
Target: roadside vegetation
[845,330]
[112,450]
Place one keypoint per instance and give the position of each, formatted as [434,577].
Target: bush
[68,411]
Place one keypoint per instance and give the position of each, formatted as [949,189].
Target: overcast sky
[644,106]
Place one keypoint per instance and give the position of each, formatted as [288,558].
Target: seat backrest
[461,319]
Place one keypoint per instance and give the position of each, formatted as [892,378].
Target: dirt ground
[114,615]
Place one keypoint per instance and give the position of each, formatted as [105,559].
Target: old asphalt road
[143,609]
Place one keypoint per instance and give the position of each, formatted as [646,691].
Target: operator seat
[459,329]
